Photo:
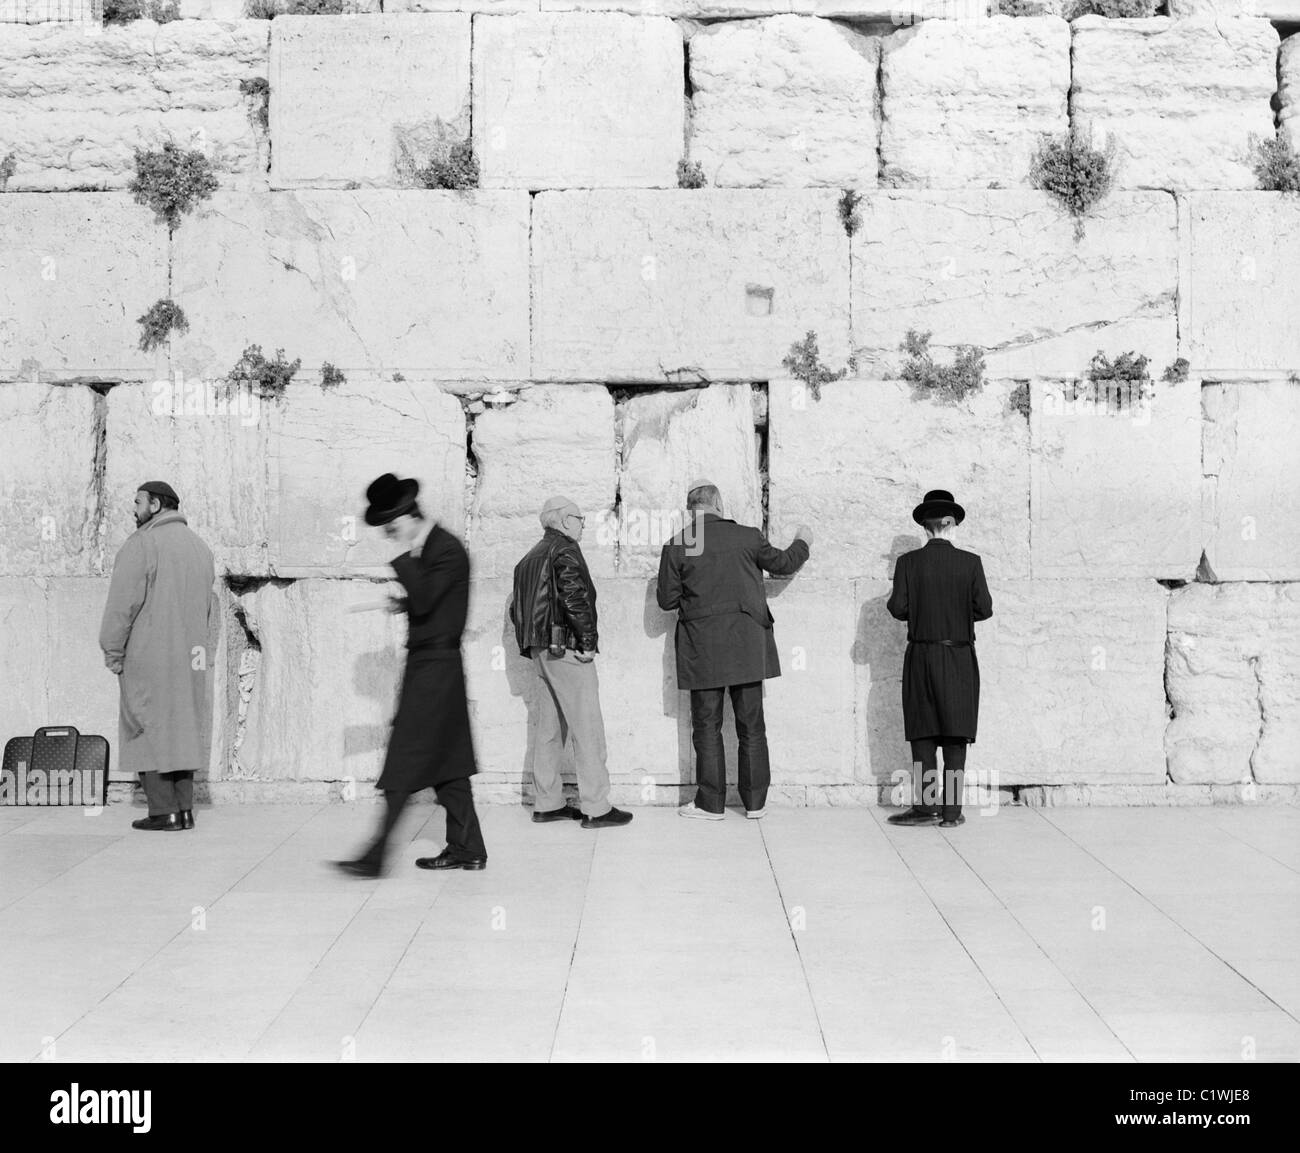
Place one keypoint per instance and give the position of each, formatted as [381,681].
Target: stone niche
[1234,681]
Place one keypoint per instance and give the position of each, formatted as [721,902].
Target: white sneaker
[756,814]
[693,810]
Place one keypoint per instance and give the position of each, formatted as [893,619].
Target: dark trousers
[926,781]
[464,836]
[168,792]
[753,774]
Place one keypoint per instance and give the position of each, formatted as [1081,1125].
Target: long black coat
[715,582]
[940,591]
[431,742]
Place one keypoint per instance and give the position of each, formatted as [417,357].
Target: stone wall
[581,324]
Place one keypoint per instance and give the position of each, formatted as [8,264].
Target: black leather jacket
[537,601]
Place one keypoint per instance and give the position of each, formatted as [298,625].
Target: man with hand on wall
[712,574]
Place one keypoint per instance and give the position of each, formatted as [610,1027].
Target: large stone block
[1181,98]
[74,107]
[314,272]
[965,100]
[1234,681]
[787,102]
[1251,485]
[48,465]
[699,285]
[364,102]
[1003,271]
[555,440]
[1288,89]
[332,443]
[25,657]
[75,274]
[1243,294]
[854,464]
[668,440]
[1115,480]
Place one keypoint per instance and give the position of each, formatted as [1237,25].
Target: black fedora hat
[389,498]
[938,502]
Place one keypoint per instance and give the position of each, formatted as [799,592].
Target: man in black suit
[712,574]
[431,745]
[940,591]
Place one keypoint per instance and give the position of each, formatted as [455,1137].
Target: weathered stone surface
[902,12]
[494,6]
[1115,487]
[332,443]
[578,100]
[555,440]
[1234,680]
[1181,98]
[434,284]
[73,107]
[1212,9]
[361,101]
[854,464]
[1003,271]
[1288,89]
[75,273]
[1251,484]
[668,441]
[46,11]
[25,657]
[785,102]
[965,100]
[220,9]
[710,284]
[47,475]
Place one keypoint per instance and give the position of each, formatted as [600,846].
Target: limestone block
[332,443]
[579,100]
[673,285]
[326,684]
[74,107]
[1115,487]
[964,100]
[75,274]
[216,452]
[1288,89]
[903,12]
[1234,680]
[47,473]
[1243,291]
[854,464]
[349,95]
[1180,97]
[787,101]
[434,284]
[1213,9]
[555,440]
[25,657]
[1003,271]
[214,9]
[878,644]
[668,441]
[1251,485]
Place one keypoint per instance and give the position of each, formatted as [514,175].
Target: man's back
[941,592]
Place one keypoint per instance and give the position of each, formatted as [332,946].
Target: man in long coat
[940,591]
[159,635]
[712,574]
[431,744]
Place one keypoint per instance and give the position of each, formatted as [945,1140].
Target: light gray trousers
[568,708]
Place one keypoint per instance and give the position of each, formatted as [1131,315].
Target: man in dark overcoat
[431,745]
[940,591]
[712,574]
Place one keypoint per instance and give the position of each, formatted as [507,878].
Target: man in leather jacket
[554,614]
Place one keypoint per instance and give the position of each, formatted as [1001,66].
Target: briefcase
[56,766]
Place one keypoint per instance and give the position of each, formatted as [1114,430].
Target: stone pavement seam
[49,880]
[577,936]
[1205,815]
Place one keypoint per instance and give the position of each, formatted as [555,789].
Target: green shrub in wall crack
[172,181]
[1276,164]
[269,378]
[1111,9]
[258,89]
[849,204]
[125,11]
[163,318]
[1018,399]
[1077,174]
[7,167]
[457,170]
[1176,373]
[690,174]
[948,383]
[331,377]
[804,363]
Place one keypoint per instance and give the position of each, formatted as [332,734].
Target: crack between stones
[471,407]
[1259,701]
[98,475]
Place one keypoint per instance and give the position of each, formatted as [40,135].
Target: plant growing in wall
[163,318]
[1276,164]
[1018,399]
[172,181]
[262,9]
[945,382]
[849,205]
[804,363]
[1111,9]
[268,377]
[1021,8]
[7,168]
[1127,366]
[690,174]
[125,11]
[457,170]
[258,90]
[1077,174]
[331,377]
[1176,373]
[314,7]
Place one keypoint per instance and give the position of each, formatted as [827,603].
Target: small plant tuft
[163,318]
[1112,9]
[331,377]
[850,217]
[1077,174]
[690,174]
[1126,366]
[1276,164]
[1021,8]
[1176,373]
[457,170]
[268,377]
[1018,399]
[7,167]
[399,376]
[804,363]
[948,383]
[125,11]
[314,7]
[258,88]
[172,181]
[262,9]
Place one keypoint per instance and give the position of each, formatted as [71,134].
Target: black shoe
[167,823]
[449,860]
[568,813]
[363,867]
[187,818]
[610,820]
[915,816]
[946,823]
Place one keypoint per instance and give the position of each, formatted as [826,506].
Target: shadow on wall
[524,684]
[377,676]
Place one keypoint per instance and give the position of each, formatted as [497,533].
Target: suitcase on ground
[57,764]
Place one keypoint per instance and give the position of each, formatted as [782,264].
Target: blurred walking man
[159,636]
[940,591]
[712,574]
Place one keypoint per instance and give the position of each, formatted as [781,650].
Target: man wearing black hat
[940,591]
[431,745]
[159,636]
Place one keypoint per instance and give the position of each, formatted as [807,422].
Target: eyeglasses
[582,520]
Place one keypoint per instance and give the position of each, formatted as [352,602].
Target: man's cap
[700,483]
[159,488]
[561,506]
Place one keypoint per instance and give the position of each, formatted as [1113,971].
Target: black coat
[552,586]
[431,741]
[715,582]
[940,591]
